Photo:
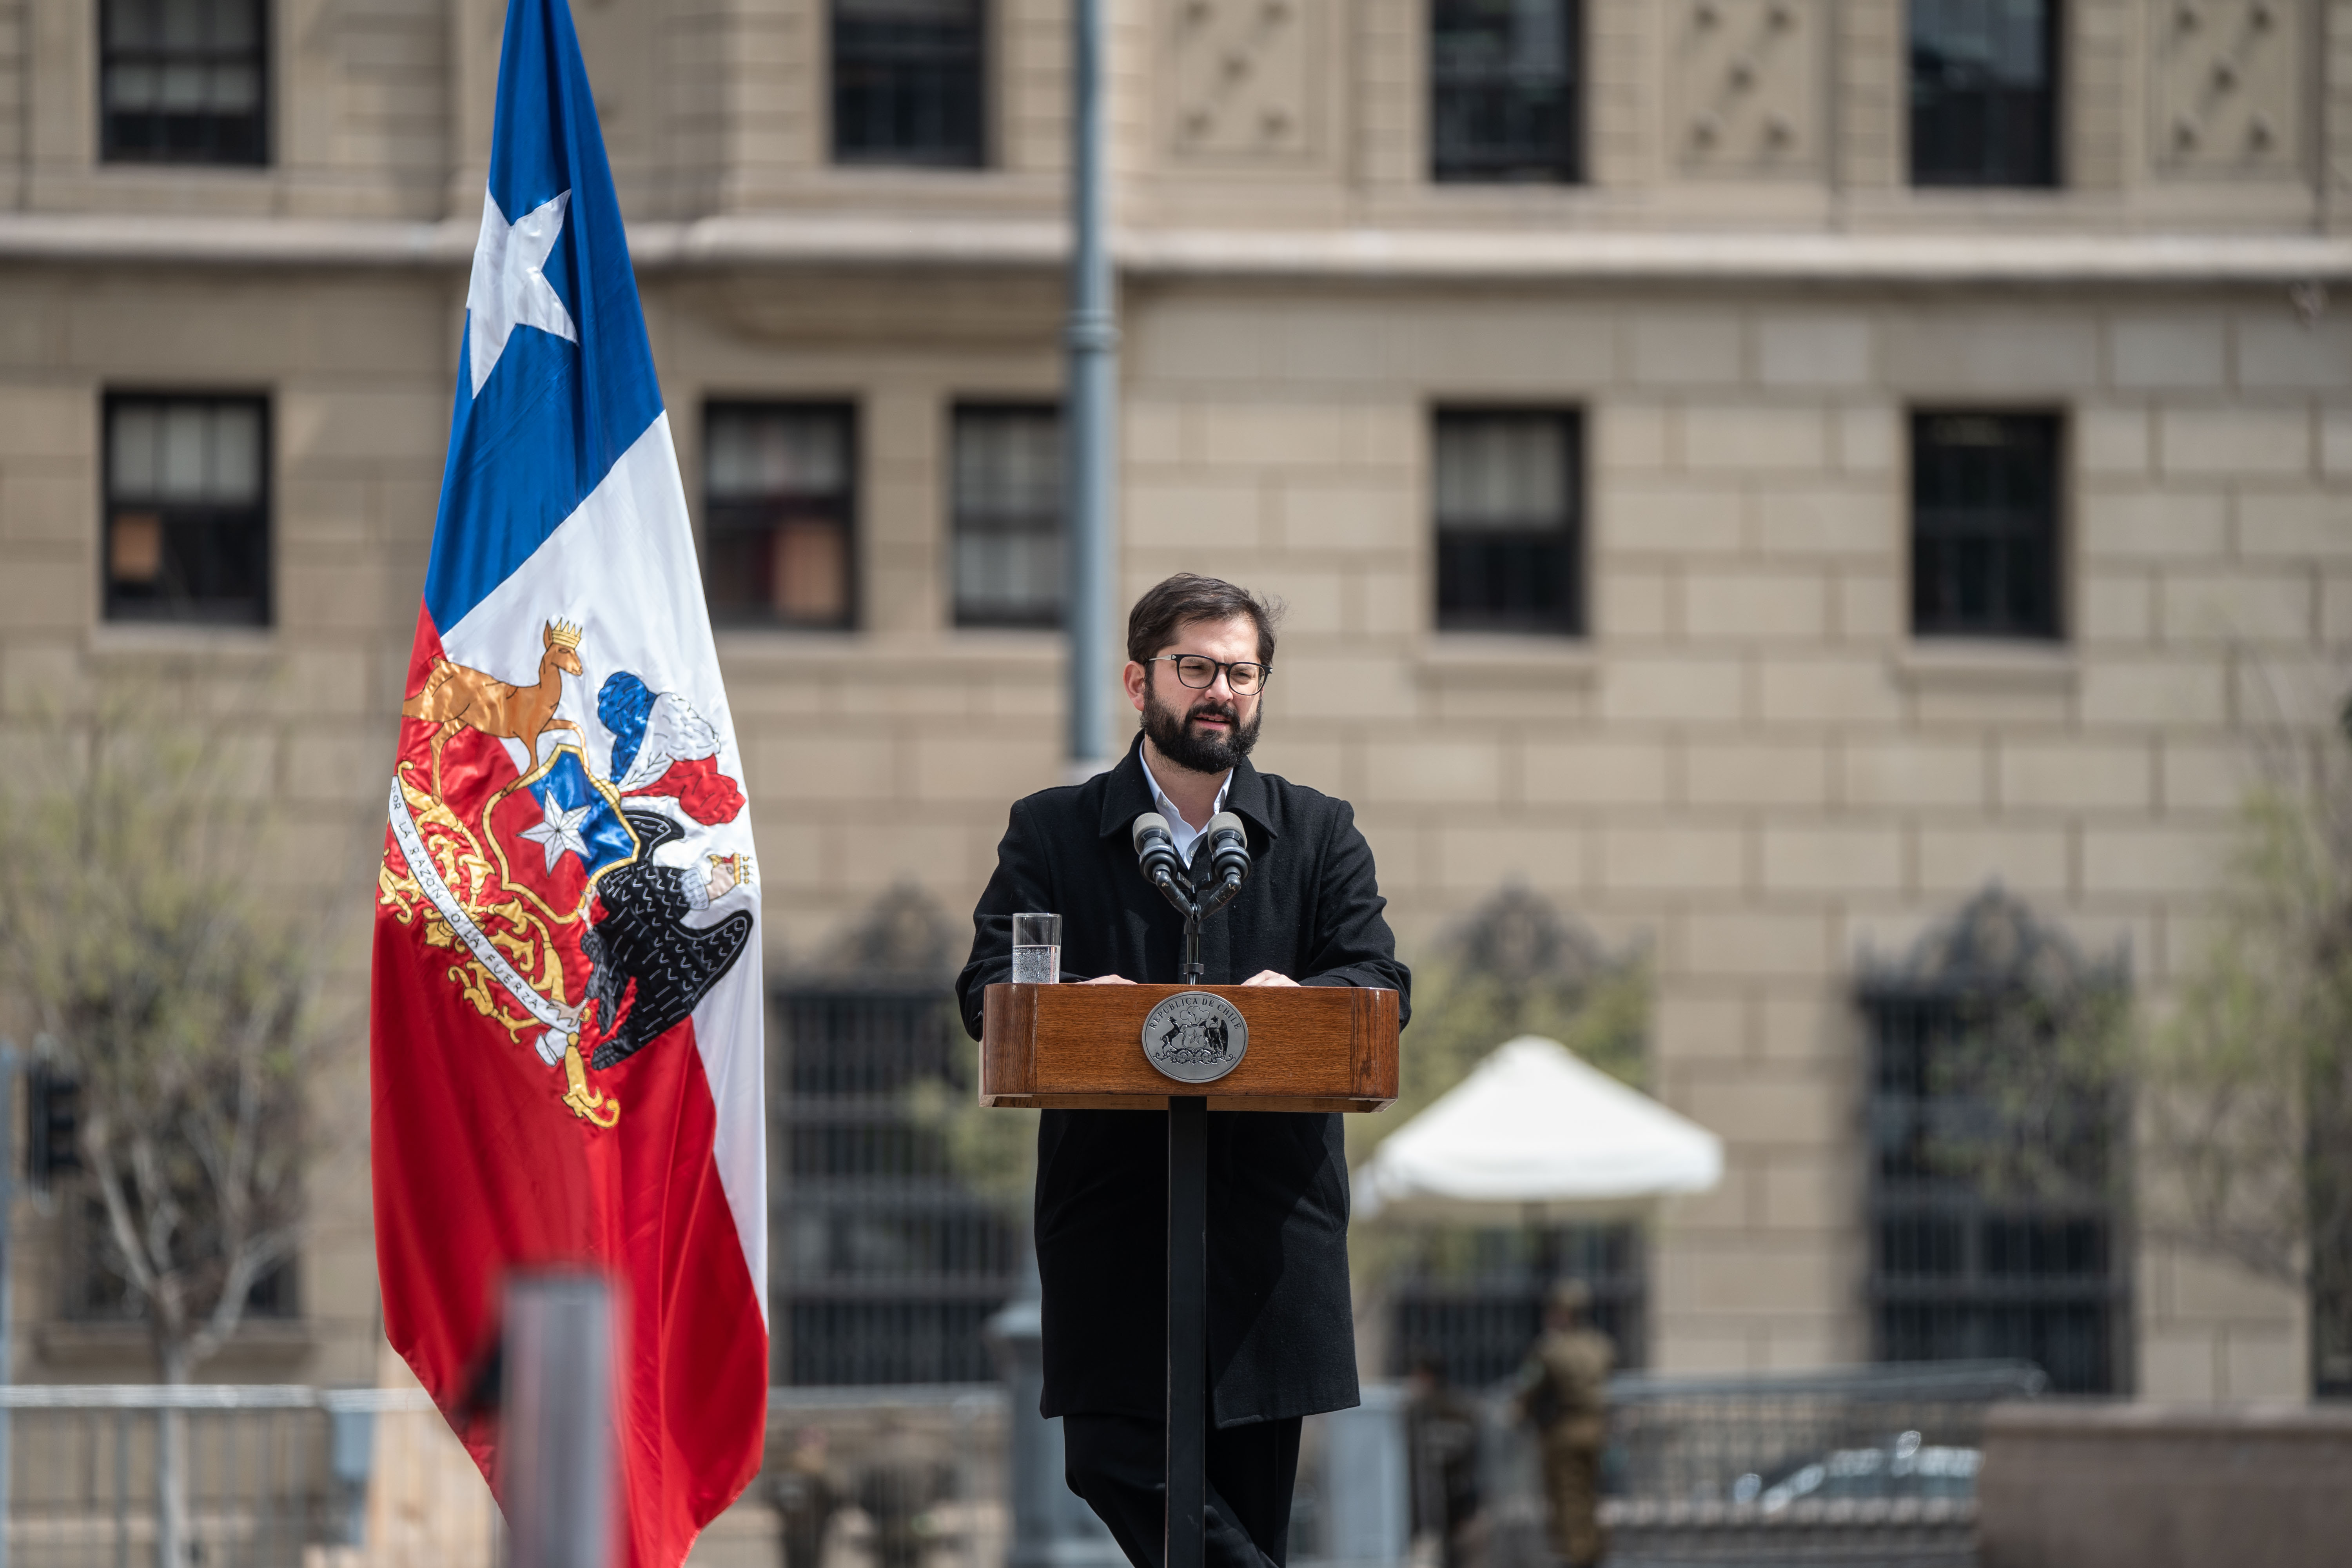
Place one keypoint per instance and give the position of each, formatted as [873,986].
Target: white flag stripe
[621,567]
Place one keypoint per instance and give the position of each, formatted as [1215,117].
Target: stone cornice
[1360,255]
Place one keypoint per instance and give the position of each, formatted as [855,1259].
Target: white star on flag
[508,290]
[560,833]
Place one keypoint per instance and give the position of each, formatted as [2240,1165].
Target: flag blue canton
[554,414]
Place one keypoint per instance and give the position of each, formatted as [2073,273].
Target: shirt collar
[1182,831]
[1128,792]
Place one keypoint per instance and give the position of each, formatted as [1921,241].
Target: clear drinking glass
[1036,950]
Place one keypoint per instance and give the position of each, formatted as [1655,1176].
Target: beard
[1196,749]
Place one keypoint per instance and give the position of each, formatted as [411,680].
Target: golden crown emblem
[562,634]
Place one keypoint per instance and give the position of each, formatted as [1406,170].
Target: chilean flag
[566,1016]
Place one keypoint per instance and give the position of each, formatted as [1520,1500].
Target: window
[887,1255]
[97,1288]
[1984,92]
[184,81]
[1510,532]
[1984,525]
[778,485]
[1472,1300]
[906,81]
[1503,89]
[187,511]
[1008,517]
[1998,1138]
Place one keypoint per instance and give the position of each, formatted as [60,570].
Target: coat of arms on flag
[566,1019]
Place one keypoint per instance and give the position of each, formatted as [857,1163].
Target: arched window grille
[884,1261]
[1999,1154]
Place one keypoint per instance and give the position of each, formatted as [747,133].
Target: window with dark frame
[1503,91]
[187,508]
[1976,1251]
[779,506]
[908,82]
[886,1260]
[1006,515]
[1984,92]
[98,1289]
[1985,552]
[184,81]
[1509,525]
[1472,1301]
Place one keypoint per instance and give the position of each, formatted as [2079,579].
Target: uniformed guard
[1564,1395]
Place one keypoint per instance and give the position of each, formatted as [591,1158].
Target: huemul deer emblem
[457,697]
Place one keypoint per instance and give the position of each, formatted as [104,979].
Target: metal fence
[1852,1465]
[1871,1465]
[268,1471]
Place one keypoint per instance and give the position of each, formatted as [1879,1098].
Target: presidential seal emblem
[1195,1036]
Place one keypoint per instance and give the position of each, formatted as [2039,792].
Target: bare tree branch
[177,989]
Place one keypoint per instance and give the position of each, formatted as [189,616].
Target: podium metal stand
[1091,1047]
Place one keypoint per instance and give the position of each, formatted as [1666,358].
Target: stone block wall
[1750,765]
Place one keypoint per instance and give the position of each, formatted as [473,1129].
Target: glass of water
[1036,950]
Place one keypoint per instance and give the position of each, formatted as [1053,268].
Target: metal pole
[1090,338]
[557,1477]
[8,1064]
[1188,1330]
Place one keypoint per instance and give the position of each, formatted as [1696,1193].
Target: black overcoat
[1281,1334]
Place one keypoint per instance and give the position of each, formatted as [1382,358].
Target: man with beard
[1280,1337]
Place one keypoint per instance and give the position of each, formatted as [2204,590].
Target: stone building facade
[1735,730]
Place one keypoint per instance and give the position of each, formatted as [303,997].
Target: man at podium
[1281,1337]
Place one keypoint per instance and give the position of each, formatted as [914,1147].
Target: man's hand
[1268,977]
[1107,980]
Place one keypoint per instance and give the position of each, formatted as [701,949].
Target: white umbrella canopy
[1535,1130]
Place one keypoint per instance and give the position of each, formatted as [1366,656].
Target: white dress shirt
[1181,832]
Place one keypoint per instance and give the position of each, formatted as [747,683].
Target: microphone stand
[1184,1542]
[1195,911]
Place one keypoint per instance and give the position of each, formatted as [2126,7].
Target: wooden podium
[1085,1047]
[1079,1048]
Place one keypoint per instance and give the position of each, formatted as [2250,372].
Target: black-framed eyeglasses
[1198,671]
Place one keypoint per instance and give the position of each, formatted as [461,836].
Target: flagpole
[1090,337]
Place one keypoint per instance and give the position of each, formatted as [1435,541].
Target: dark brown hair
[1187,597]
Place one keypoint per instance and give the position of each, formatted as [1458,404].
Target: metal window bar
[1505,100]
[885,1264]
[1479,1311]
[1984,92]
[1984,530]
[1958,1271]
[908,83]
[184,81]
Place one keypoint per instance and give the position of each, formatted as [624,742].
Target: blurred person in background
[1442,1434]
[805,1499]
[1563,1393]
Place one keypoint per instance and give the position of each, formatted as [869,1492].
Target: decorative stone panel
[2229,94]
[1746,86]
[1242,86]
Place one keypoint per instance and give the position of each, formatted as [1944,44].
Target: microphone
[1229,857]
[1228,847]
[1155,849]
